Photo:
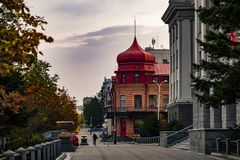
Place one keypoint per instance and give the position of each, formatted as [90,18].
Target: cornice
[174,7]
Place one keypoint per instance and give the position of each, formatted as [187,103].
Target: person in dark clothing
[94,138]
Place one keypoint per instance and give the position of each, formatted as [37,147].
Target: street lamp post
[159,89]
[114,119]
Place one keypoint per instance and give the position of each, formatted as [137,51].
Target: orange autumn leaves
[20,36]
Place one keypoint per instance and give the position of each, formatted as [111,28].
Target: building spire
[134,27]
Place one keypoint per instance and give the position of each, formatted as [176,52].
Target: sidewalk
[121,151]
[85,132]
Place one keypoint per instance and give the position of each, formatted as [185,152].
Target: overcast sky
[89,34]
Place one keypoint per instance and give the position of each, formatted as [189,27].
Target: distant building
[79,109]
[107,100]
[86,100]
[162,55]
[135,89]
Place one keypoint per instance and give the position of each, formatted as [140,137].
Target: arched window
[123,78]
[136,78]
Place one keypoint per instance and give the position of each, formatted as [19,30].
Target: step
[182,145]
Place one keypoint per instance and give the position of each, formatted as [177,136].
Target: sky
[89,34]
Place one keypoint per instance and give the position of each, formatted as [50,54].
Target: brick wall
[129,90]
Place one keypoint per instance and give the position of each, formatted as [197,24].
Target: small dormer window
[165,61]
[154,79]
[166,78]
[123,78]
[136,78]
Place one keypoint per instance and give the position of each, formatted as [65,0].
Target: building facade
[140,88]
[107,100]
[184,28]
[162,55]
[180,18]
[210,123]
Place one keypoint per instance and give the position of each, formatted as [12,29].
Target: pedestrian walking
[94,138]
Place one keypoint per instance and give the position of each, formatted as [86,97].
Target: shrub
[234,133]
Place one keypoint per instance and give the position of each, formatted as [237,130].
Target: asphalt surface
[124,151]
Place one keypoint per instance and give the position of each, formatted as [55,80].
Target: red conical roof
[135,54]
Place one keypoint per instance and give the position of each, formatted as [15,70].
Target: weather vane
[153,42]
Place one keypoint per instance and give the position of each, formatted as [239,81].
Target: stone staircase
[184,145]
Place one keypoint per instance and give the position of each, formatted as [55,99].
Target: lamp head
[165,81]
[154,81]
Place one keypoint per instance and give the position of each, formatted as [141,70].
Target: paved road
[123,151]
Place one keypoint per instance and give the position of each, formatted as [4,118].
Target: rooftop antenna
[134,27]
[153,42]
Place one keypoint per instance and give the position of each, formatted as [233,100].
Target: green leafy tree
[221,85]
[234,133]
[149,126]
[93,112]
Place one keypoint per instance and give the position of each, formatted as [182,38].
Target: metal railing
[155,139]
[227,146]
[136,109]
[44,151]
[178,136]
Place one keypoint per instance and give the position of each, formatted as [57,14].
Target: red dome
[135,54]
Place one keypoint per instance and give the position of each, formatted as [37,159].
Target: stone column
[9,154]
[238,147]
[218,145]
[58,147]
[38,152]
[216,117]
[228,116]
[32,151]
[238,113]
[54,149]
[201,115]
[48,150]
[44,151]
[23,153]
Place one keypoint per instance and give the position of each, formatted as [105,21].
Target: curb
[225,156]
[61,157]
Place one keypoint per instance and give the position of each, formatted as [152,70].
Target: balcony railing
[136,109]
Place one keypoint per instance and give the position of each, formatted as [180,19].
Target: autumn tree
[46,102]
[52,103]
[41,90]
[67,108]
[30,100]
[19,40]
[221,85]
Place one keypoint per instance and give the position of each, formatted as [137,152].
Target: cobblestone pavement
[121,151]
